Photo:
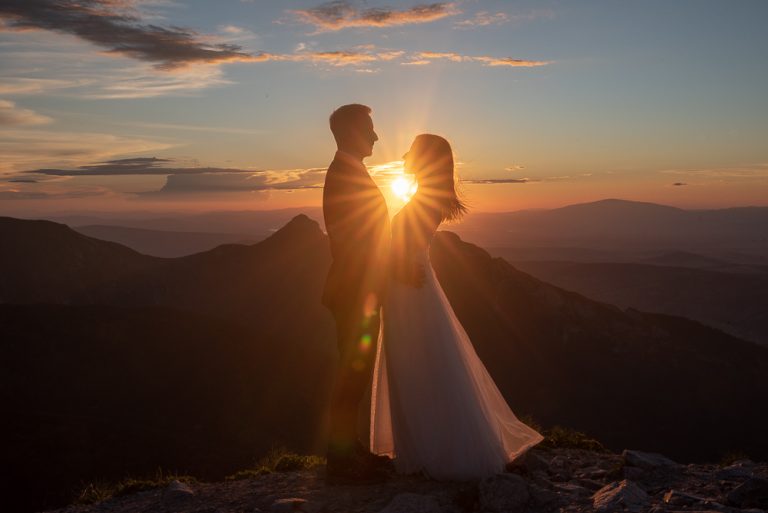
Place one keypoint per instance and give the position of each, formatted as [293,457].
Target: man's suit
[357,222]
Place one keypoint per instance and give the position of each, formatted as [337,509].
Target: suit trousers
[357,332]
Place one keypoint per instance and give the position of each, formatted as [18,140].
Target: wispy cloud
[134,166]
[509,61]
[492,181]
[142,81]
[341,14]
[21,85]
[422,58]
[116,26]
[38,57]
[357,56]
[28,148]
[334,58]
[194,128]
[732,173]
[12,115]
[239,180]
[25,192]
[484,18]
[450,56]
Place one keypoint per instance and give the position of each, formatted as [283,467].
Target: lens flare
[404,188]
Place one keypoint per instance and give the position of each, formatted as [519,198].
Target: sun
[404,188]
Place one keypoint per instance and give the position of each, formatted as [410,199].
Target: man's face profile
[366,136]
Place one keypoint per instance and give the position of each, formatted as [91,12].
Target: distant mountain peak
[617,202]
[300,225]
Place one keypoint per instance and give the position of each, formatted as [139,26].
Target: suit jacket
[357,222]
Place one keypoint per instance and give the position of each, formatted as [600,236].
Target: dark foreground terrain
[549,480]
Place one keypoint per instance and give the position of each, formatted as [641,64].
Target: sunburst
[404,187]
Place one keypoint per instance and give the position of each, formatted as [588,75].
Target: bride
[435,408]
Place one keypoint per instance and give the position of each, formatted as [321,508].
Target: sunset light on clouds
[195,105]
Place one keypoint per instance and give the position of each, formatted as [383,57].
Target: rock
[618,495]
[632,473]
[175,493]
[647,460]
[503,493]
[589,484]
[752,493]
[544,497]
[176,487]
[591,473]
[678,498]
[541,478]
[412,503]
[533,462]
[572,489]
[739,470]
[288,505]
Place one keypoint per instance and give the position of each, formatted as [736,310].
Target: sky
[194,105]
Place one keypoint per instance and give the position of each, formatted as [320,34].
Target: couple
[434,407]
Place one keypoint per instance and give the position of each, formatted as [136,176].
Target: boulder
[544,497]
[503,493]
[647,460]
[176,494]
[752,493]
[741,469]
[620,495]
[678,498]
[572,489]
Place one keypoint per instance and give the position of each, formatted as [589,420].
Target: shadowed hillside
[47,262]
[627,378]
[164,243]
[100,392]
[735,301]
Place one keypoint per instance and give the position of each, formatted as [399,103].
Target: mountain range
[620,227]
[116,362]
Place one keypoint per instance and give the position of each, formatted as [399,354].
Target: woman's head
[430,160]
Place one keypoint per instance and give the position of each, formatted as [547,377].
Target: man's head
[352,128]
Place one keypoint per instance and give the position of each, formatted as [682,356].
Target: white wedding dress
[434,406]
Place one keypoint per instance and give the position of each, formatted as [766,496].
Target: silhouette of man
[357,222]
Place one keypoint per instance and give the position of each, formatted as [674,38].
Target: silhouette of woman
[435,408]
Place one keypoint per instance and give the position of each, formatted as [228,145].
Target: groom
[357,222]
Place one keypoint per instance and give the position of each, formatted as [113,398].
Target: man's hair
[346,117]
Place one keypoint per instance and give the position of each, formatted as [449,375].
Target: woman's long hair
[434,169]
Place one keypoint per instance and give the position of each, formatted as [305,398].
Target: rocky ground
[549,480]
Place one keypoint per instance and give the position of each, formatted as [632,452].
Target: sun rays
[404,187]
[397,186]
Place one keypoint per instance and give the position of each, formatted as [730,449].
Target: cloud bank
[194,180]
[341,14]
[116,26]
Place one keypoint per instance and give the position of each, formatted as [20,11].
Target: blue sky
[568,101]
